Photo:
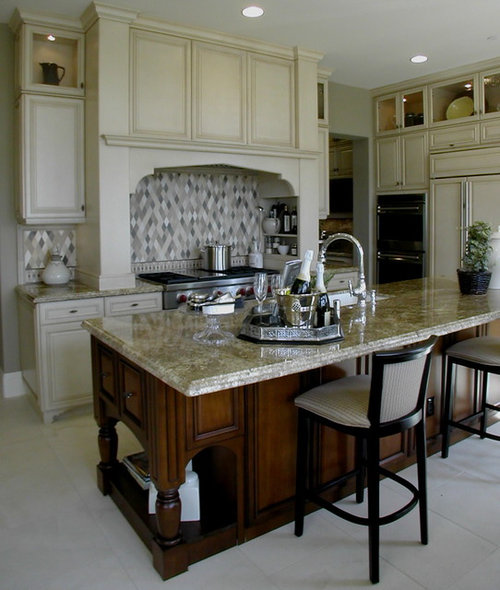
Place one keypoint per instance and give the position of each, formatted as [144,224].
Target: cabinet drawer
[67,311]
[454,137]
[125,304]
[132,388]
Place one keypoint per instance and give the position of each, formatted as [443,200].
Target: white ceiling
[367,43]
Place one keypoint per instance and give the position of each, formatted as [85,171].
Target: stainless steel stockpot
[216,256]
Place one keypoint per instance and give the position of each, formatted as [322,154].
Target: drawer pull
[128,394]
[134,305]
[73,311]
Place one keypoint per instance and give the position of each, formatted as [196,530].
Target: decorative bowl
[460,107]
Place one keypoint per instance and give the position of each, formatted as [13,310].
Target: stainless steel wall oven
[401,237]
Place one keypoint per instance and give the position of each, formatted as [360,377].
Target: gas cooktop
[170,278]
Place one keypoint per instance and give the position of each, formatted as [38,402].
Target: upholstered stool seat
[483,355]
[369,408]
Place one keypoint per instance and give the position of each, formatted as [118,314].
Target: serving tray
[266,328]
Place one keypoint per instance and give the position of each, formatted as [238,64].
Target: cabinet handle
[134,304]
[128,394]
[73,311]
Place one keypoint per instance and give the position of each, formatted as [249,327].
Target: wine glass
[275,281]
[260,288]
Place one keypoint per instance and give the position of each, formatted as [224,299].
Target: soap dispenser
[255,258]
[494,265]
[56,272]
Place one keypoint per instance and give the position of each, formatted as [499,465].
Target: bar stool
[483,355]
[368,408]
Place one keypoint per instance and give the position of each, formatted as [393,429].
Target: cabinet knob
[104,374]
[128,394]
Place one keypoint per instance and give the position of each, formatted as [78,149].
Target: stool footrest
[314,496]
[472,430]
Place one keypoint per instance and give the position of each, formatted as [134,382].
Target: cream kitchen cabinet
[55,349]
[340,165]
[219,93]
[324,182]
[455,203]
[51,152]
[402,162]
[160,85]
[272,101]
[49,56]
[401,111]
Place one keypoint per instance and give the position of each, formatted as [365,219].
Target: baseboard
[12,384]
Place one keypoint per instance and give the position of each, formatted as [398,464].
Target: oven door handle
[399,257]
[397,209]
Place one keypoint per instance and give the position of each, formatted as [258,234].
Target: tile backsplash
[173,215]
[37,244]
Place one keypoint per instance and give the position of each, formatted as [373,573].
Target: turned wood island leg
[107,440]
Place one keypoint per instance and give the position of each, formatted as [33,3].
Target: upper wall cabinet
[51,169]
[454,101]
[219,90]
[401,111]
[161,85]
[49,60]
[272,101]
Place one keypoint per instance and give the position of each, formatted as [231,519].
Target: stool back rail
[392,400]
[482,354]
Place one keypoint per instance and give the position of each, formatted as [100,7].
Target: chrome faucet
[360,289]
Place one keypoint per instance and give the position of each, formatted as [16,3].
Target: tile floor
[57,532]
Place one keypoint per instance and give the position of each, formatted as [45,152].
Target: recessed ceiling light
[418,59]
[252,11]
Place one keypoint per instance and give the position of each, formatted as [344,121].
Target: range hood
[224,169]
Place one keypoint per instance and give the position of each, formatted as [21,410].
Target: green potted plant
[474,276]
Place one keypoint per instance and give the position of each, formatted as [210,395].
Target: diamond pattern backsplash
[173,215]
[37,246]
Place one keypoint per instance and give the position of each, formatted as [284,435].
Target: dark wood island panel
[242,438]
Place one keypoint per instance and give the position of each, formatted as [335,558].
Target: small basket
[296,310]
[472,282]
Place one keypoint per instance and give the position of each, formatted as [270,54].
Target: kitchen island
[230,410]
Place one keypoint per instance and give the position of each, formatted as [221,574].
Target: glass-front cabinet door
[401,111]
[454,101]
[51,60]
[388,113]
[490,96]
[413,107]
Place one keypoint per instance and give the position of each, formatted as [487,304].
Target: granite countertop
[162,342]
[42,293]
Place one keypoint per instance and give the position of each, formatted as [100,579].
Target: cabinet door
[414,159]
[446,219]
[161,85]
[65,369]
[52,160]
[388,164]
[484,199]
[324,185]
[219,89]
[272,103]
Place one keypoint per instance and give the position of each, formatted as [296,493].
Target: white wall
[9,341]
[350,115]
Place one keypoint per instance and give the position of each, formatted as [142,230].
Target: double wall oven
[401,237]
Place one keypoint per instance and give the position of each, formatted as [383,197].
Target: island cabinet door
[271,445]
[213,418]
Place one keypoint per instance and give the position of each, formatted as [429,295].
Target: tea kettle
[50,73]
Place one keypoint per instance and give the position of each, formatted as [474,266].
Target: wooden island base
[241,439]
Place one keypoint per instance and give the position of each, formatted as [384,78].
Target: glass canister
[56,272]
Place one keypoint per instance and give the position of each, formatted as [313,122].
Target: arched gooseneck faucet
[360,289]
